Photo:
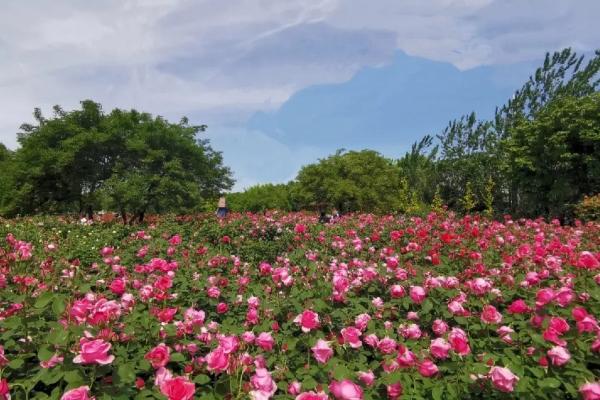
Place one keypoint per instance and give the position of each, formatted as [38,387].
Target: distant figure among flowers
[222,208]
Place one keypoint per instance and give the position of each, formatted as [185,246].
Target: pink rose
[459,341]
[428,368]
[371,340]
[394,391]
[229,344]
[439,327]
[263,384]
[52,362]
[217,360]
[307,320]
[5,390]
[265,341]
[159,356]
[417,294]
[518,307]
[590,391]
[544,296]
[162,374]
[503,379]
[179,388]
[312,396]
[94,352]
[559,355]
[321,351]
[346,390]
[351,336]
[80,393]
[397,291]
[294,388]
[386,345]
[439,348]
[361,321]
[368,378]
[490,315]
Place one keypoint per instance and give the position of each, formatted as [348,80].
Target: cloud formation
[221,62]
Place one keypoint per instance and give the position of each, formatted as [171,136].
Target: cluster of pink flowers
[345,311]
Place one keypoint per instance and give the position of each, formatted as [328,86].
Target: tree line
[538,156]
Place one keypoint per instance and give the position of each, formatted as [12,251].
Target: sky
[283,83]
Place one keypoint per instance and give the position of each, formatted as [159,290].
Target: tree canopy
[127,161]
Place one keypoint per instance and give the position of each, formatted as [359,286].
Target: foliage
[588,209]
[426,308]
[262,197]
[555,158]
[350,181]
[126,161]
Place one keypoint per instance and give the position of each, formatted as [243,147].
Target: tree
[262,197]
[349,181]
[555,158]
[83,159]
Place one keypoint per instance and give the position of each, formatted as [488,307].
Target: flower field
[280,306]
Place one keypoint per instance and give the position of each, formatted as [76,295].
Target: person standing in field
[222,208]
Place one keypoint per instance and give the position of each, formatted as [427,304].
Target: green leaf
[58,306]
[552,383]
[43,299]
[202,379]
[16,363]
[126,373]
[177,357]
[437,392]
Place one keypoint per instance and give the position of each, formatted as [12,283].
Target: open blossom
[322,351]
[263,385]
[217,360]
[459,341]
[590,391]
[307,320]
[559,355]
[159,356]
[312,396]
[503,379]
[361,321]
[351,337]
[417,294]
[428,368]
[265,341]
[439,327]
[439,348]
[179,388]
[80,393]
[490,315]
[367,378]
[386,345]
[394,391]
[4,390]
[94,352]
[346,390]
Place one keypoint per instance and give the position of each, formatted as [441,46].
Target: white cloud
[221,61]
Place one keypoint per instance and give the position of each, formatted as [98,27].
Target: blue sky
[283,83]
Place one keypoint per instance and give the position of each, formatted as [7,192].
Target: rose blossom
[417,294]
[321,351]
[559,355]
[312,396]
[490,315]
[159,356]
[263,384]
[179,388]
[503,379]
[80,393]
[307,320]
[94,352]
[439,348]
[346,390]
[590,391]
[351,336]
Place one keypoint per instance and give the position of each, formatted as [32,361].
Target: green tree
[83,159]
[350,181]
[261,197]
[555,158]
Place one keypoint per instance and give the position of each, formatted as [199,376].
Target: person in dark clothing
[222,209]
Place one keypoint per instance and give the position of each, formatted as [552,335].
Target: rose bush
[280,306]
